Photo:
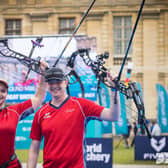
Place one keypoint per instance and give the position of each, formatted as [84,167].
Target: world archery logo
[158,145]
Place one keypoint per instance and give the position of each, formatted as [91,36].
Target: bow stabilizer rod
[74,32]
[130,41]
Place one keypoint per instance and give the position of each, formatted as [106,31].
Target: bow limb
[73,73]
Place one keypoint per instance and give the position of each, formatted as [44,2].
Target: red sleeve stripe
[13,111]
[42,108]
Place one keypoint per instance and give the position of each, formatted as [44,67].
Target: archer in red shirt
[61,123]
[9,117]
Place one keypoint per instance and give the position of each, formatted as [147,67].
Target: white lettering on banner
[17,96]
[162,158]
[25,121]
[149,156]
[26,129]
[105,123]
[94,153]
[120,122]
[29,88]
[12,96]
[88,95]
[20,138]
[25,96]
[94,148]
[98,157]
[93,89]
[164,120]
[22,88]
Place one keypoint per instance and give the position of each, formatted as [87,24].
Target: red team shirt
[9,118]
[63,130]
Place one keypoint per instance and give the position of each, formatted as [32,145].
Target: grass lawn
[23,155]
[121,155]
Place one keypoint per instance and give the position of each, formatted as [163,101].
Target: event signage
[22,140]
[99,152]
[151,149]
[121,124]
[162,115]
[17,94]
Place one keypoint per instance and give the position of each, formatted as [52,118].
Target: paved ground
[24,165]
[140,166]
[126,166]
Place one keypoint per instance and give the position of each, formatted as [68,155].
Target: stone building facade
[110,21]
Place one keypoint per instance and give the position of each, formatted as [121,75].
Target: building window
[13,27]
[122,32]
[66,25]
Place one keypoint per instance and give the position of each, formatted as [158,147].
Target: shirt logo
[70,110]
[47,115]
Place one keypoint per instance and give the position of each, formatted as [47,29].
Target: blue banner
[162,115]
[22,140]
[89,84]
[94,129]
[150,149]
[17,94]
[99,152]
[121,124]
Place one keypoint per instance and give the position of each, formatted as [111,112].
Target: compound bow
[131,91]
